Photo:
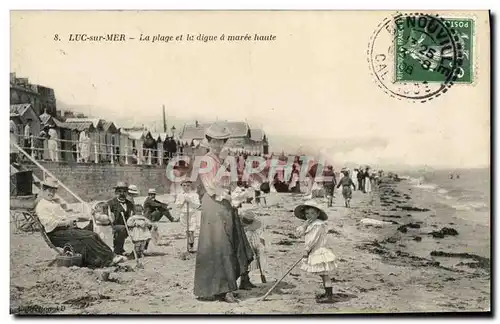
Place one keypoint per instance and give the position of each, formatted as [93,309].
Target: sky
[311,87]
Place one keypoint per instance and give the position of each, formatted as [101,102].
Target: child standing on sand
[140,232]
[318,258]
[188,199]
[254,233]
[346,183]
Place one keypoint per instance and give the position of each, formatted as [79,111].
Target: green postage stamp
[424,55]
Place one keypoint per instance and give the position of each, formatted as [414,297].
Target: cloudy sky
[310,87]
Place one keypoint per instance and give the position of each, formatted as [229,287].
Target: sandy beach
[408,263]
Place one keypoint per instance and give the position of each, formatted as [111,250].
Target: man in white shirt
[52,144]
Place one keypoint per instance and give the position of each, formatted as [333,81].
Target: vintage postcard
[250,162]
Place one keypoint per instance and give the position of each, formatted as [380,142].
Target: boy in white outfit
[189,203]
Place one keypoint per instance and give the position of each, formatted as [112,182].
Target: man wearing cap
[61,229]
[154,210]
[119,208]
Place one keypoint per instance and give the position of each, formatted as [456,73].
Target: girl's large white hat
[217,131]
[299,211]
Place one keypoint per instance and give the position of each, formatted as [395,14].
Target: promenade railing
[89,151]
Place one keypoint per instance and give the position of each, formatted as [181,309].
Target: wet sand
[387,268]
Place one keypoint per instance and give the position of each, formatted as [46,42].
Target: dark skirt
[95,253]
[347,192]
[223,253]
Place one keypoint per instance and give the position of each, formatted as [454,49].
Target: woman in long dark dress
[223,253]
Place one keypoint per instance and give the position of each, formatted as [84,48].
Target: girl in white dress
[140,232]
[318,258]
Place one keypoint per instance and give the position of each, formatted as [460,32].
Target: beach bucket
[69,258]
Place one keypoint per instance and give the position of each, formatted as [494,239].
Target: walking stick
[277,282]
[138,264]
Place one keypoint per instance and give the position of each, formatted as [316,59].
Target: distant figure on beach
[346,183]
[318,259]
[451,176]
[367,181]
[329,183]
[361,179]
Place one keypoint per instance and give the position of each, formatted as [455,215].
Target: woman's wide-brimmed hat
[51,183]
[249,221]
[217,131]
[299,211]
[132,189]
[121,185]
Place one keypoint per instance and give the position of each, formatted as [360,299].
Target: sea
[459,197]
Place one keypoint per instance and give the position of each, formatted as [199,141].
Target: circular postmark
[415,56]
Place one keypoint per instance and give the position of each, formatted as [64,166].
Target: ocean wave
[473,205]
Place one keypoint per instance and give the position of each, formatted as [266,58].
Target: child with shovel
[318,258]
[189,203]
[253,231]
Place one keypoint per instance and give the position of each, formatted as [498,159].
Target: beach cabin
[97,137]
[111,141]
[160,150]
[136,140]
[67,143]
[24,112]
[76,128]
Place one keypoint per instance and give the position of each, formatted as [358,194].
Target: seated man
[61,230]
[154,210]
[120,210]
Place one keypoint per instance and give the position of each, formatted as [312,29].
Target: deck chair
[25,206]
[22,209]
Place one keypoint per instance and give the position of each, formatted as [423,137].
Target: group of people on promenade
[230,242]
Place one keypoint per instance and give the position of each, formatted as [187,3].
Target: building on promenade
[243,138]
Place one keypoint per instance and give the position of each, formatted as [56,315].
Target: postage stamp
[421,52]
[419,56]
